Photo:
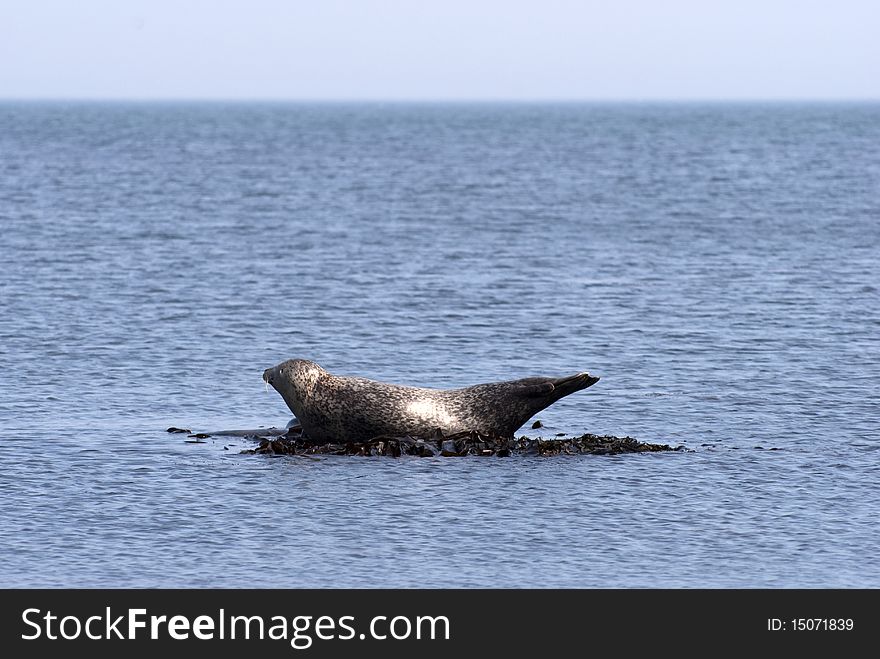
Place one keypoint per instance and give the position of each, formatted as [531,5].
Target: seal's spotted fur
[340,408]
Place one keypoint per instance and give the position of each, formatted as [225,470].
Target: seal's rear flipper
[536,394]
[536,386]
[568,385]
[557,387]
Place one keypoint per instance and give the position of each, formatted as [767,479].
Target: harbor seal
[341,408]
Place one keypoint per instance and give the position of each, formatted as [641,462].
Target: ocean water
[717,265]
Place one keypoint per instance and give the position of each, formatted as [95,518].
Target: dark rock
[173,429]
[537,424]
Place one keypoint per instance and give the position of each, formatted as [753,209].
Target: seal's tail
[552,389]
[568,385]
[541,393]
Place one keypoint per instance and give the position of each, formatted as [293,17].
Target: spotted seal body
[341,408]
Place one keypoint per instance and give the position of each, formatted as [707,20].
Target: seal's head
[294,380]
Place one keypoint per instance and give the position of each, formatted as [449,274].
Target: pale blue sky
[440,49]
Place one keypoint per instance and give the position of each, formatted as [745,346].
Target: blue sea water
[717,265]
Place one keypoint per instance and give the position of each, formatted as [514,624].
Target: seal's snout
[268,375]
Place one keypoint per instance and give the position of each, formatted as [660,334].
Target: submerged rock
[459,444]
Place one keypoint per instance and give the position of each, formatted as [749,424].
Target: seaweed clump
[457,445]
